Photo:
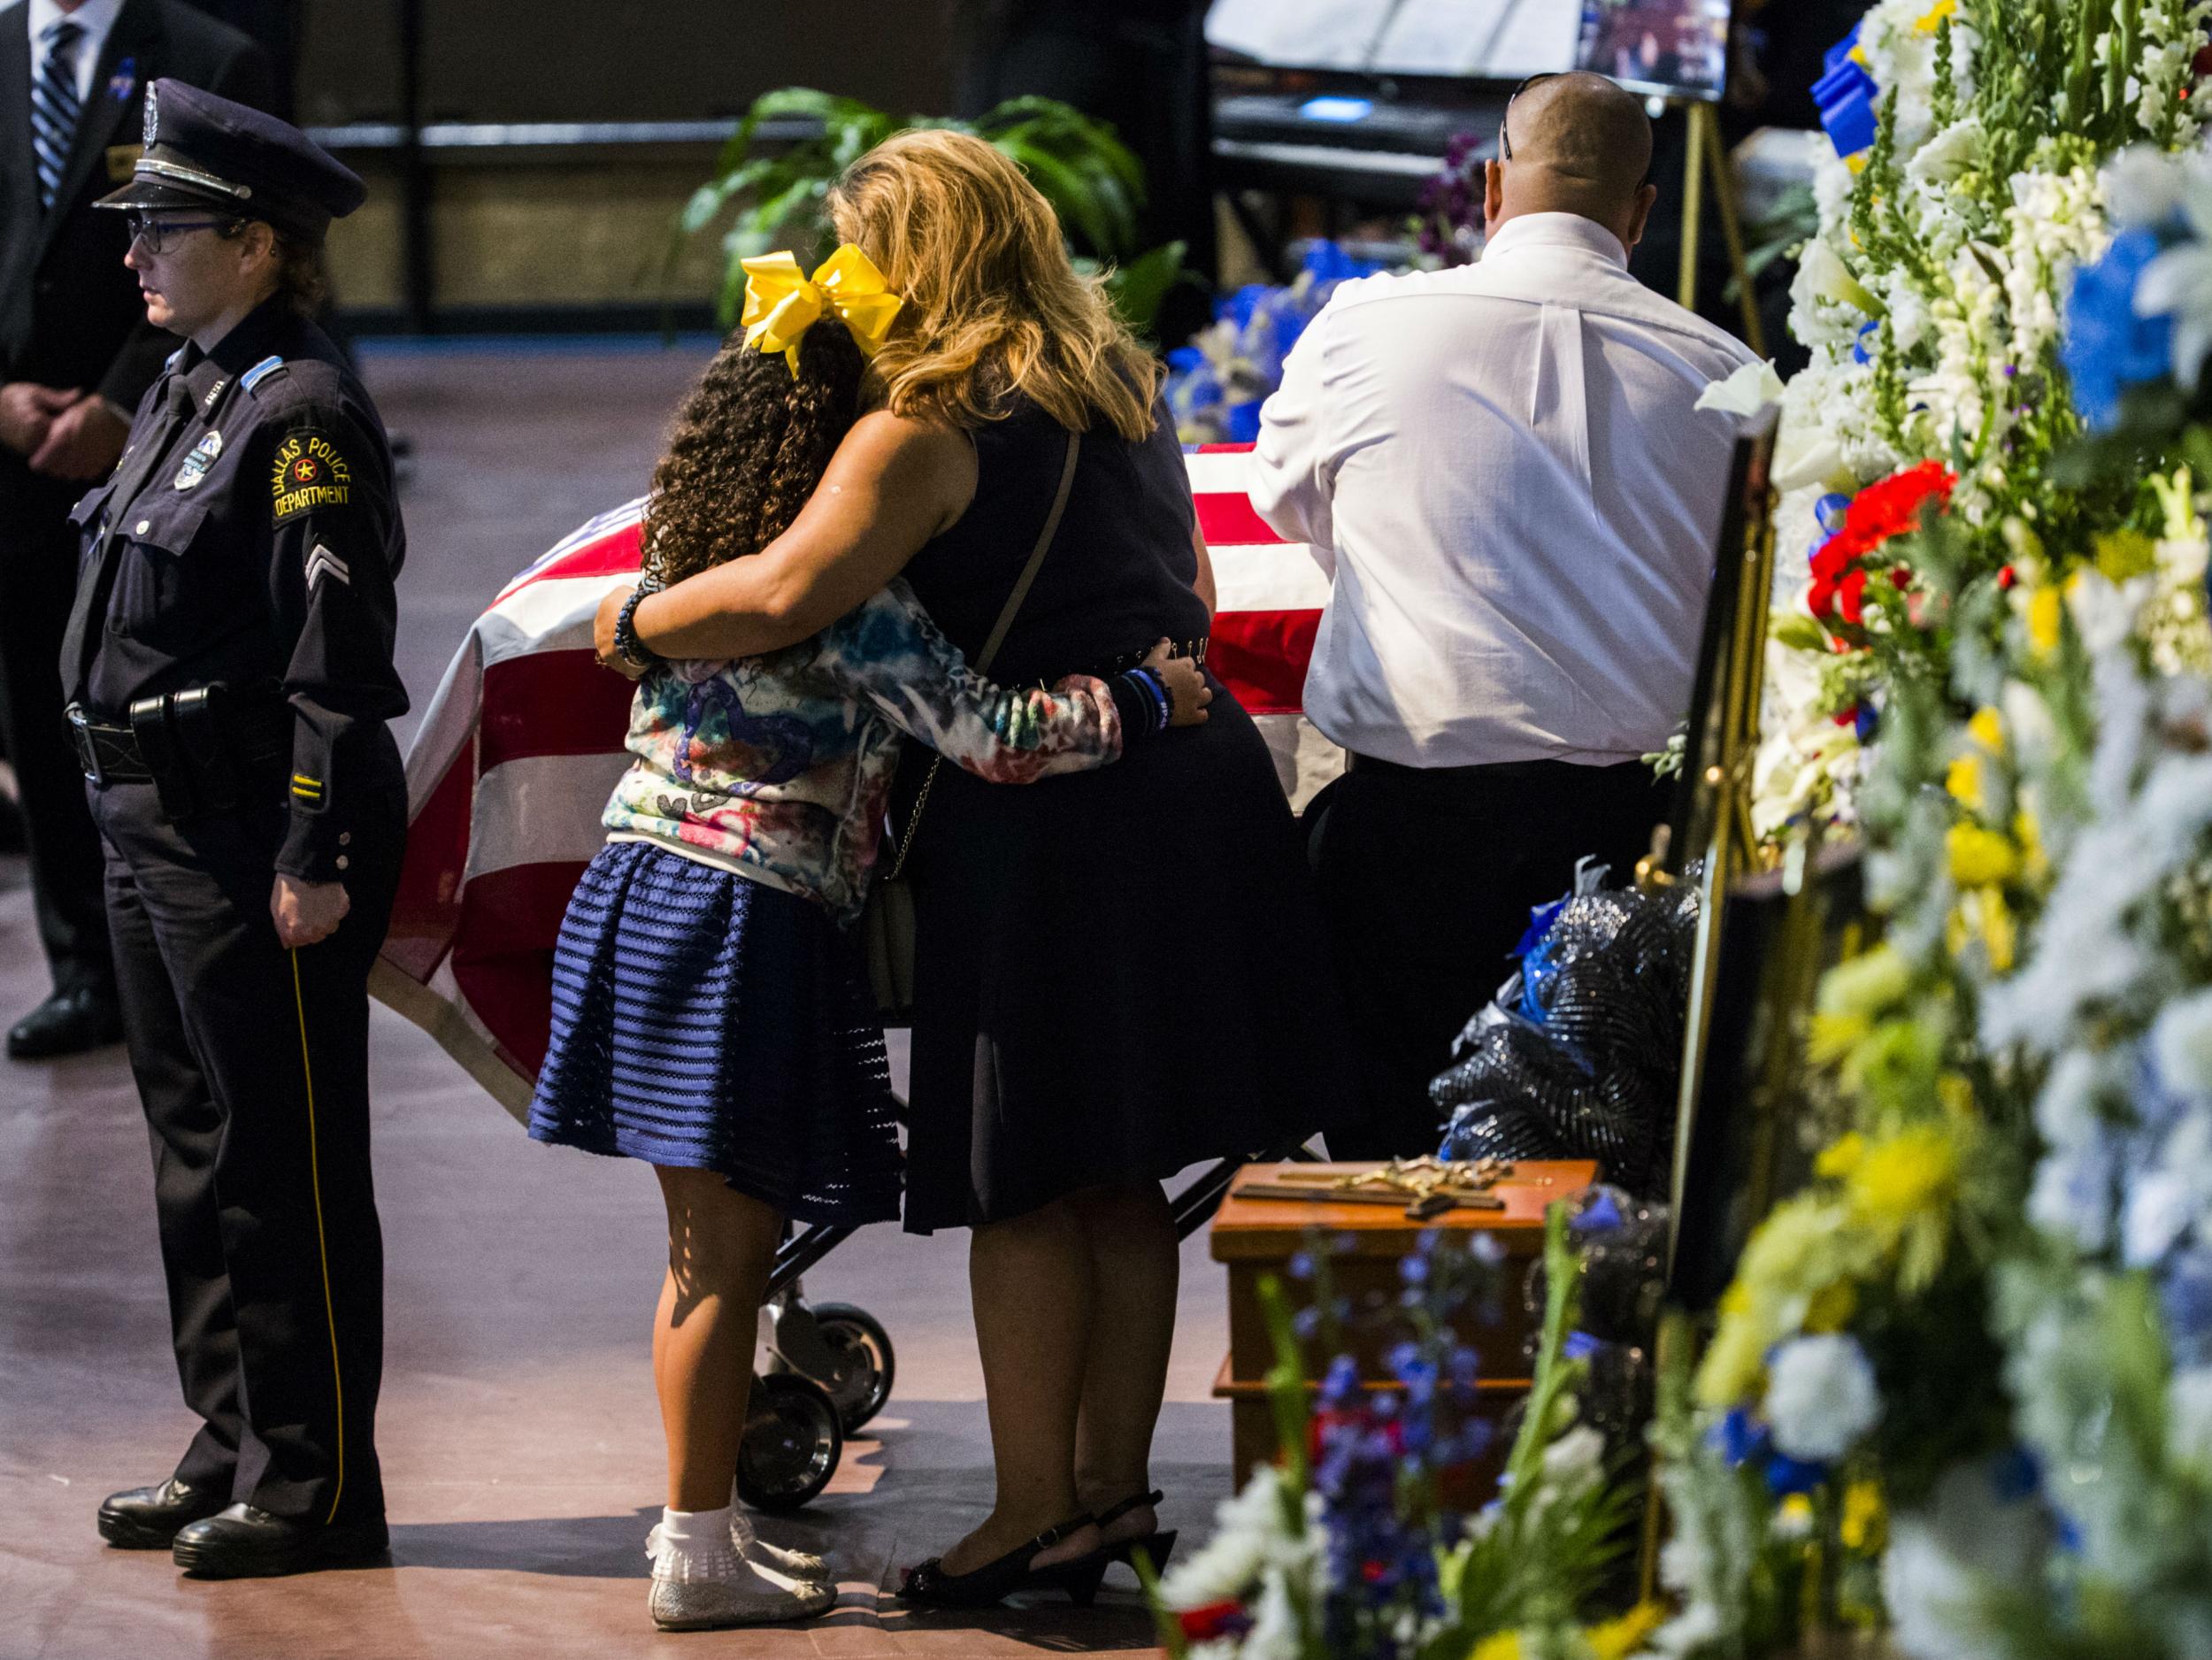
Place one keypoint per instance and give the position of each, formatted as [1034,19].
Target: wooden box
[1254,1237]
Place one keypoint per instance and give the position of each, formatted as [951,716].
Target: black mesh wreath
[1580,1055]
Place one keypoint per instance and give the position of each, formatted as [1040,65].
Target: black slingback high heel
[1157,1544]
[930,1585]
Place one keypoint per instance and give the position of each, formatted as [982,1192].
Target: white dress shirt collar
[96,17]
[1556,230]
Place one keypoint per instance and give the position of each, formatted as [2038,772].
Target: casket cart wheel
[865,1362]
[793,1442]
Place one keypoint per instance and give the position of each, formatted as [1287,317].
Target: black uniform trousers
[38,581]
[252,1063]
[1427,878]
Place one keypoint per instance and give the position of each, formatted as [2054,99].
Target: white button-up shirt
[1502,470]
[97,17]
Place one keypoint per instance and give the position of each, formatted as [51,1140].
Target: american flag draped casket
[522,742]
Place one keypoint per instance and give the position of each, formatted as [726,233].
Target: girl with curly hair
[709,1013]
[1049,1136]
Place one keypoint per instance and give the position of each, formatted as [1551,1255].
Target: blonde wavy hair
[994,306]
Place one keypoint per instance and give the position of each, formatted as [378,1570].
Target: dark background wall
[617,60]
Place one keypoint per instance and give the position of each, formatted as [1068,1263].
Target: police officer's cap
[207,152]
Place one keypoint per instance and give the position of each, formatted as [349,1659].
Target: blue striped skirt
[706,1021]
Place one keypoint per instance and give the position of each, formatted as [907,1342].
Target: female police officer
[229,663]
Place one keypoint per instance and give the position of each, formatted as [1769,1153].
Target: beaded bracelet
[627,646]
[1156,689]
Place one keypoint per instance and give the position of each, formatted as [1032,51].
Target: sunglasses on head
[1505,128]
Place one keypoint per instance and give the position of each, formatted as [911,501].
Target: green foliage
[762,198]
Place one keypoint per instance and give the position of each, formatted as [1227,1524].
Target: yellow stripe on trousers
[322,1245]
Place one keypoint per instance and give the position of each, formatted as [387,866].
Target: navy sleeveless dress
[1119,973]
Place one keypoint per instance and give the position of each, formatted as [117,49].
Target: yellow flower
[2122,553]
[1999,935]
[1980,857]
[1865,1517]
[1841,1156]
[1617,1639]
[1735,1362]
[1504,1644]
[1832,1307]
[1987,728]
[2028,834]
[2045,608]
[1964,780]
[1911,1172]
[1793,1518]
[1932,19]
[1866,983]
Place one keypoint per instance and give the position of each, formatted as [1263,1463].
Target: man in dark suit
[76,354]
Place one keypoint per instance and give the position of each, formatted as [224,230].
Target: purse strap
[990,653]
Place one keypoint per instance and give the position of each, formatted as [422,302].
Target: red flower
[1901,575]
[1851,591]
[2006,578]
[1215,1619]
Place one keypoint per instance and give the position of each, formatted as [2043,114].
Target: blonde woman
[1118,975]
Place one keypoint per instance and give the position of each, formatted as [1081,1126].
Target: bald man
[1502,469]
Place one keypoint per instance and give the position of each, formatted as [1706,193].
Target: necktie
[55,105]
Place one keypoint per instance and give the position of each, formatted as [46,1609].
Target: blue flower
[1845,97]
[1861,352]
[2108,347]
[1326,262]
[2187,1298]
[1305,1323]
[1739,1438]
[1540,921]
[1302,1265]
[1183,359]
[2017,1476]
[1787,1475]
[1580,1346]
[1244,422]
[1864,721]
[1831,509]
[1340,1383]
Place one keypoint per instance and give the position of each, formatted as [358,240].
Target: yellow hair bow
[781,304]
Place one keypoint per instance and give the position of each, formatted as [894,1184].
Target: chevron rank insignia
[323,563]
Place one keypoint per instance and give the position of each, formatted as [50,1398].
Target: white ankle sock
[695,1545]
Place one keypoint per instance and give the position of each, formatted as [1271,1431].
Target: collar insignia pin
[125,79]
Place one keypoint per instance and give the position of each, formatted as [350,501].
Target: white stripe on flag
[542,809]
[1219,475]
[1271,576]
[553,615]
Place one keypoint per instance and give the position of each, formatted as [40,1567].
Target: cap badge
[199,461]
[153,120]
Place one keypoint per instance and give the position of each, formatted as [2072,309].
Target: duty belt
[111,754]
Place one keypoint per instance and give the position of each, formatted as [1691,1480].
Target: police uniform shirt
[250,536]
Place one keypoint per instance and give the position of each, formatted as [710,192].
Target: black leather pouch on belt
[205,745]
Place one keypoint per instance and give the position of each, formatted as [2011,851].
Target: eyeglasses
[158,235]
[1505,136]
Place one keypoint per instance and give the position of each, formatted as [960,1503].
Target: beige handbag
[888,923]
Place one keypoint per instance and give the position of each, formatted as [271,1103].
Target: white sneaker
[798,1564]
[695,1590]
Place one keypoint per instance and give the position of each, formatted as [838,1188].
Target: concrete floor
[521,1445]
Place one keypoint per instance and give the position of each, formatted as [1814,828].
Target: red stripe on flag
[502,958]
[1261,656]
[428,911]
[551,702]
[1226,449]
[1227,520]
[611,554]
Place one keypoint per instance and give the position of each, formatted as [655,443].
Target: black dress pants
[252,1063]
[38,580]
[1427,878]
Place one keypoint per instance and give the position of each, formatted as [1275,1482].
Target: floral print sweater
[778,767]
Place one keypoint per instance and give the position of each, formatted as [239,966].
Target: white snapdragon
[2181,1044]
[2189,1421]
[1820,1397]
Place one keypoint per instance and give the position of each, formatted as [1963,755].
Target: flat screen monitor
[1676,48]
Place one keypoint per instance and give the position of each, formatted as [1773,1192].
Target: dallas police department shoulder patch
[309,475]
[195,464]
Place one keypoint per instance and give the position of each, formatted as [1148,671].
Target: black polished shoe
[1158,1545]
[931,1586]
[146,1518]
[67,1023]
[242,1542]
